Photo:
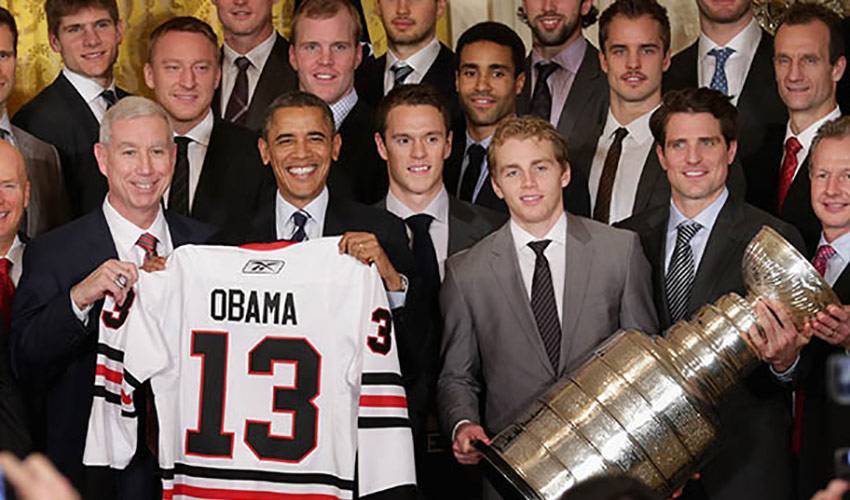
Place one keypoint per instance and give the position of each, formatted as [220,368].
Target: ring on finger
[121,281]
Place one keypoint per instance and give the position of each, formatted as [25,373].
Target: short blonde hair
[528,127]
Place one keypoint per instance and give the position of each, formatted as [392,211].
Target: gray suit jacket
[48,206]
[490,337]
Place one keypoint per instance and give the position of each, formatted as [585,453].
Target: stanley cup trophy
[647,406]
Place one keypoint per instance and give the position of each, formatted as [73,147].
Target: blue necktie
[299,218]
[718,81]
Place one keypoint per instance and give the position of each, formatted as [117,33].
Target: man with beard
[734,56]
[564,83]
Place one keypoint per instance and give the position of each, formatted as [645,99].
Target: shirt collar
[125,232]
[201,132]
[569,58]
[5,124]
[343,106]
[484,143]
[421,61]
[638,128]
[841,245]
[438,208]
[746,40]
[557,234]
[86,87]
[316,209]
[706,218]
[15,252]
[807,136]
[258,55]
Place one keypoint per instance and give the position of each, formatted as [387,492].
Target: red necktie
[789,168]
[148,242]
[7,292]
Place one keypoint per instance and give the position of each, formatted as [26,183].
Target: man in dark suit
[823,421]
[809,60]
[49,203]
[14,197]
[67,113]
[414,55]
[255,62]
[526,304]
[576,90]
[325,52]
[734,56]
[68,272]
[219,176]
[695,243]
[414,138]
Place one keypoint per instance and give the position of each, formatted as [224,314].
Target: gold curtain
[38,65]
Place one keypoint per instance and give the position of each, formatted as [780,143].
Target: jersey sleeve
[385,441]
[130,350]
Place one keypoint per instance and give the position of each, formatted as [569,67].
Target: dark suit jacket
[825,423]
[277,77]
[798,210]
[587,104]
[59,116]
[48,198]
[755,418]
[14,422]
[51,348]
[359,174]
[761,118]
[233,180]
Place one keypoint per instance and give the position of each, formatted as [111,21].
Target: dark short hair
[695,100]
[183,24]
[498,33]
[55,10]
[7,19]
[807,12]
[297,99]
[610,488]
[325,9]
[421,94]
[838,128]
[527,127]
[633,9]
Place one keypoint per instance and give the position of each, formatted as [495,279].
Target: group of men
[514,163]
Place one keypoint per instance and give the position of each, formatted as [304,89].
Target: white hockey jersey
[273,371]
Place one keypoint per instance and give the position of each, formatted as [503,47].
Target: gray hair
[838,128]
[132,107]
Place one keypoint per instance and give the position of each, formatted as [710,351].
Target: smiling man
[67,113]
[68,272]
[218,176]
[695,243]
[527,303]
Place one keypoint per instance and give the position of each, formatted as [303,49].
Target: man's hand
[833,326]
[463,447]
[365,248]
[35,478]
[113,277]
[775,338]
[834,490]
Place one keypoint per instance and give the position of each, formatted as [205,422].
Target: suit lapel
[334,220]
[655,242]
[276,78]
[717,254]
[504,267]
[648,184]
[841,287]
[581,91]
[80,110]
[461,230]
[211,170]
[579,263]
[759,76]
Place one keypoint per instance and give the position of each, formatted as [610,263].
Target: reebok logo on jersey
[263,267]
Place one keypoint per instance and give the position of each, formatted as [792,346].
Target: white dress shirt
[15,255]
[555,253]
[560,81]
[484,175]
[229,71]
[637,145]
[737,66]
[6,124]
[807,136]
[421,62]
[90,91]
[706,219]
[835,265]
[200,135]
[343,106]
[439,228]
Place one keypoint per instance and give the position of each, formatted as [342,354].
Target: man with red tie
[809,60]
[14,198]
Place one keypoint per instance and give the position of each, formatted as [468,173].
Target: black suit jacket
[755,417]
[359,174]
[233,181]
[277,77]
[586,105]
[797,209]
[762,117]
[51,348]
[59,115]
[14,423]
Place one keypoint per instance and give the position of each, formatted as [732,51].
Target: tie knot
[419,222]
[476,152]
[686,231]
[825,252]
[243,63]
[792,145]
[721,55]
[401,70]
[148,242]
[545,70]
[620,134]
[539,246]
[182,142]
[109,96]
[299,218]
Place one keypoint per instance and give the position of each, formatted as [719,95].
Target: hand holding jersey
[366,248]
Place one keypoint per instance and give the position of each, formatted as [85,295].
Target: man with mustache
[564,83]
